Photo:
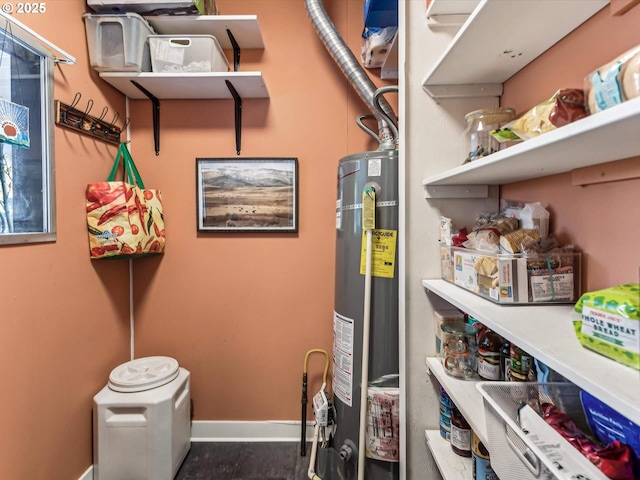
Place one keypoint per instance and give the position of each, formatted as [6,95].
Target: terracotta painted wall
[240,311]
[601,219]
[65,320]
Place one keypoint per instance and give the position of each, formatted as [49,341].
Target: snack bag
[565,106]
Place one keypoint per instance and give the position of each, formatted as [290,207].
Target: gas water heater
[377,169]
[364,427]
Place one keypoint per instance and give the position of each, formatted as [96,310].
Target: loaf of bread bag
[615,82]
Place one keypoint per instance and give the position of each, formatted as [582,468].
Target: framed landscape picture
[247,194]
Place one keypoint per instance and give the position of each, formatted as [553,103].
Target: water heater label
[383,255]
[343,358]
[374,167]
[338,214]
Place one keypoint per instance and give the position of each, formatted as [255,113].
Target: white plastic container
[522,445]
[157,7]
[118,42]
[186,54]
[142,421]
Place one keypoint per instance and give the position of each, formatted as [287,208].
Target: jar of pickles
[480,124]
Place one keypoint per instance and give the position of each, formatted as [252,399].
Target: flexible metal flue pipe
[351,69]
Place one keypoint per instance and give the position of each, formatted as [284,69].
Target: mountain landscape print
[253,194]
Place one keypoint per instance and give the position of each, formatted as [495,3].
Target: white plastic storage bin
[522,445]
[155,7]
[118,42]
[142,421]
[186,53]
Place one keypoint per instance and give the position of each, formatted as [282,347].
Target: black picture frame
[258,194]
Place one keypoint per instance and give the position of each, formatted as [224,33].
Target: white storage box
[142,421]
[118,42]
[186,54]
[155,7]
[522,445]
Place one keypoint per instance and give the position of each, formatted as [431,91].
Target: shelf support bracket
[238,114]
[236,51]
[155,105]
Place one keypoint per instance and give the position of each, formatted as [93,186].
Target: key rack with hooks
[78,120]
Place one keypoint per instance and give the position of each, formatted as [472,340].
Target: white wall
[434,142]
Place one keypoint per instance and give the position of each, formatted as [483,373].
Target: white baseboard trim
[264,431]
[88,475]
[227,431]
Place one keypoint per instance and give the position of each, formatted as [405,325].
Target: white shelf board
[546,332]
[465,395]
[600,138]
[451,465]
[389,68]
[451,7]
[500,38]
[245,28]
[188,86]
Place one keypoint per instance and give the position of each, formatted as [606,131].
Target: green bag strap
[132,174]
[131,166]
[116,163]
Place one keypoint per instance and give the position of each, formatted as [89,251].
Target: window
[27,196]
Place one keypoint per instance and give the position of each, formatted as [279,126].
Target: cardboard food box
[516,279]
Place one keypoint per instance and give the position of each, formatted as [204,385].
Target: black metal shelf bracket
[236,51]
[155,105]
[238,114]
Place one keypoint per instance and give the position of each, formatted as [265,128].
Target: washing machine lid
[143,374]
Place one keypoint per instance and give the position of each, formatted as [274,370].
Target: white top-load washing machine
[142,421]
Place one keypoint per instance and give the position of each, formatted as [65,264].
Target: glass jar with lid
[480,124]
[459,349]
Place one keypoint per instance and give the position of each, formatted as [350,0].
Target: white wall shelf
[600,138]
[178,86]
[451,466]
[449,13]
[465,395]
[495,40]
[234,85]
[182,86]
[245,28]
[546,333]
[500,38]
[451,7]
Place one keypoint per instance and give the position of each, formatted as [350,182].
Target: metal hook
[86,112]
[111,128]
[88,109]
[103,114]
[65,118]
[115,119]
[76,99]
[126,124]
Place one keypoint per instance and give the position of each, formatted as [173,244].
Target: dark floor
[244,461]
